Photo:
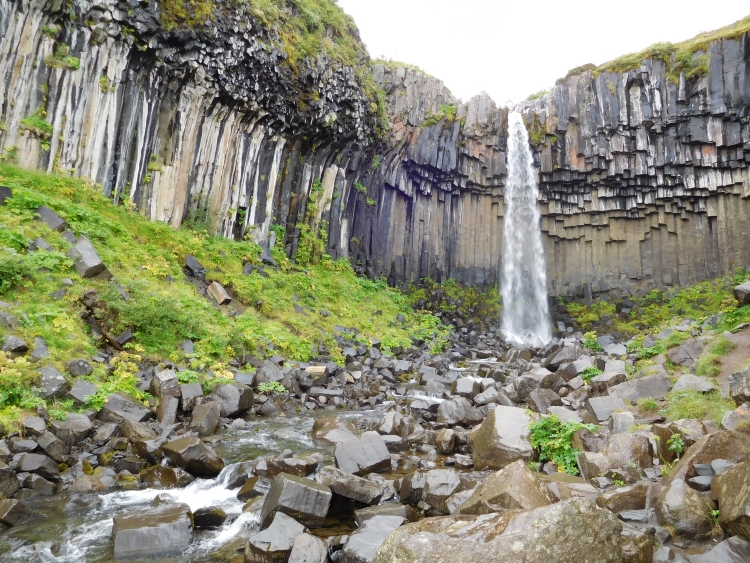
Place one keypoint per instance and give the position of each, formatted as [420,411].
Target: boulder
[32,426]
[724,444]
[73,430]
[541,535]
[391,423]
[515,486]
[502,439]
[81,392]
[40,464]
[600,383]
[363,455]
[733,550]
[732,489]
[685,509]
[600,409]
[440,485]
[445,441]
[194,268]
[205,418]
[458,410]
[489,395]
[308,549]
[166,411]
[541,400]
[39,485]
[189,395]
[13,512]
[739,387]
[274,544]
[209,517]
[686,353]
[637,544]
[53,220]
[403,510]
[86,261]
[193,456]
[350,486]
[158,477]
[160,530]
[8,321]
[52,383]
[216,291]
[5,194]
[732,419]
[621,422]
[79,367]
[268,372]
[649,387]
[234,398]
[15,346]
[569,352]
[165,384]
[690,382]
[628,450]
[365,541]
[742,293]
[120,406]
[303,499]
[468,387]
[8,482]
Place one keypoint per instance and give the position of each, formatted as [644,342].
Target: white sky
[511,49]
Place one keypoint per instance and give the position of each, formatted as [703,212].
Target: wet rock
[33,426]
[391,423]
[158,477]
[688,382]
[486,397]
[742,293]
[601,408]
[166,410]
[445,441]
[458,410]
[165,384]
[308,549]
[234,398]
[350,486]
[739,387]
[632,497]
[86,260]
[216,291]
[160,530]
[8,482]
[194,268]
[363,455]
[81,392]
[533,535]
[637,545]
[52,383]
[52,446]
[205,418]
[120,406]
[365,541]
[189,395]
[275,543]
[724,444]
[440,485]
[684,509]
[733,550]
[402,510]
[513,487]
[467,387]
[653,387]
[268,372]
[193,456]
[52,219]
[732,490]
[210,517]
[73,430]
[502,439]
[39,485]
[40,464]
[13,512]
[302,499]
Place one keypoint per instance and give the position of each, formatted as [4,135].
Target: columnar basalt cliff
[644,180]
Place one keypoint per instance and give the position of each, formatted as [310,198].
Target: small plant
[376,162]
[676,444]
[590,343]
[61,59]
[651,351]
[538,94]
[272,387]
[666,468]
[36,125]
[360,188]
[589,373]
[648,405]
[553,438]
[103,84]
[716,531]
[371,201]
[153,164]
[619,482]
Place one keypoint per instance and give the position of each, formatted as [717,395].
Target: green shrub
[553,438]
[272,387]
[589,373]
[590,343]
[651,351]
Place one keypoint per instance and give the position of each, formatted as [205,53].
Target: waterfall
[524,276]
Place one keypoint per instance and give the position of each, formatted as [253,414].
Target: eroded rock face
[575,530]
[160,530]
[685,509]
[731,489]
[502,439]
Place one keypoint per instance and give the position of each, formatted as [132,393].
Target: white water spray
[524,277]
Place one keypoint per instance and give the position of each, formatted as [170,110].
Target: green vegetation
[697,405]
[393,65]
[579,70]
[647,405]
[553,438]
[38,126]
[538,94]
[687,57]
[371,202]
[589,373]
[447,112]
[475,306]
[709,363]
[536,130]
[676,444]
[590,343]
[272,387]
[143,256]
[61,59]
[360,188]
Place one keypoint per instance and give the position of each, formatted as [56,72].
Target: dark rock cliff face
[644,182]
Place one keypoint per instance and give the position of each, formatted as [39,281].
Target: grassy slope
[141,254]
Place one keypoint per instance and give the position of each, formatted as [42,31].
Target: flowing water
[524,276]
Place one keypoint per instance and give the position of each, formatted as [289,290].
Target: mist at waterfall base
[525,316]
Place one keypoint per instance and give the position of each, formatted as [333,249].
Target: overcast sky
[511,49]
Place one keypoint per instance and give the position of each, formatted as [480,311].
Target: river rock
[391,509]
[458,410]
[268,372]
[308,549]
[158,477]
[350,486]
[8,482]
[40,464]
[52,383]
[502,439]
[391,423]
[732,489]
[234,398]
[193,456]
[363,455]
[739,386]
[13,512]
[445,441]
[159,530]
[86,260]
[303,499]
[275,543]
[684,509]
[209,517]
[205,418]
[73,430]
[548,533]
[121,406]
[742,293]
[733,550]
[513,487]
[440,485]
[365,541]
[190,393]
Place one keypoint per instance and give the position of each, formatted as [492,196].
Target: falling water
[524,278]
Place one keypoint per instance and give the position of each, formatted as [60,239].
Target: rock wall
[644,181]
